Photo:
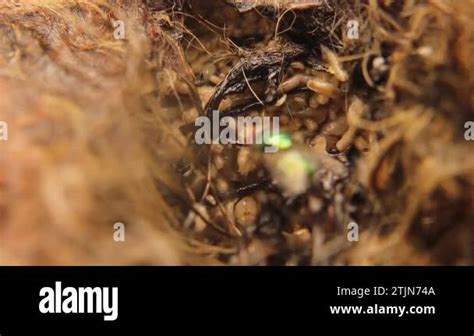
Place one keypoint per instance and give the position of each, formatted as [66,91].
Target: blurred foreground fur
[91,138]
[82,152]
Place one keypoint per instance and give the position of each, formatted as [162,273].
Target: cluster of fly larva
[312,108]
[322,101]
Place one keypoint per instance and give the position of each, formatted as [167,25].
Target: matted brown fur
[82,148]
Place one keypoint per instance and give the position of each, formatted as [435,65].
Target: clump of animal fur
[83,150]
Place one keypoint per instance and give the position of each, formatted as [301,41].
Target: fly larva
[336,128]
[246,211]
[201,219]
[318,85]
[322,100]
[356,109]
[222,186]
[346,139]
[335,66]
[293,82]
[208,71]
[281,100]
[310,125]
[219,162]
[322,87]
[361,144]
[245,162]
[211,200]
[297,66]
[299,100]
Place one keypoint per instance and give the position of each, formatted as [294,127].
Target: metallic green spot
[281,141]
